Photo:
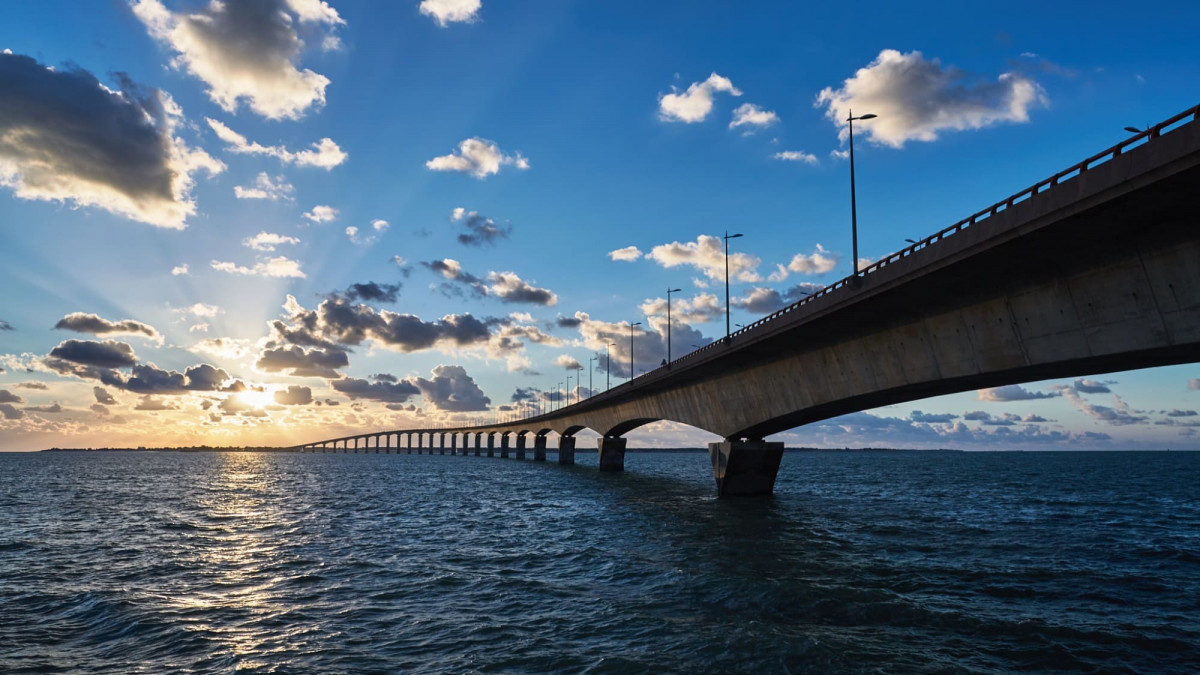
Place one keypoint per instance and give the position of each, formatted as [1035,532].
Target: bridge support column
[539,448]
[612,453]
[478,443]
[503,446]
[521,446]
[566,449]
[453,444]
[441,444]
[491,445]
[745,468]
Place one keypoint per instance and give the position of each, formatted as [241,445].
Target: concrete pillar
[745,468]
[566,449]
[377,441]
[408,443]
[478,443]
[521,446]
[453,444]
[491,445]
[539,448]
[612,453]
[504,446]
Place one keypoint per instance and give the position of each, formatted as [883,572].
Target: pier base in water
[745,468]
[539,448]
[566,449]
[612,453]
[521,446]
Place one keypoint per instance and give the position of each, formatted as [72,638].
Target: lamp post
[853,206]
[591,369]
[669,292]
[579,384]
[727,238]
[631,349]
[607,367]
[560,396]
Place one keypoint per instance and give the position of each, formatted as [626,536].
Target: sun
[257,399]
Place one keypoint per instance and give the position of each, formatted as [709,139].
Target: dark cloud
[107,354]
[150,403]
[4,325]
[479,229]
[1033,419]
[294,395]
[567,321]
[452,390]
[510,288]
[10,413]
[68,138]
[91,323]
[521,394]
[303,362]
[976,416]
[31,385]
[7,396]
[1086,386]
[98,409]
[929,418]
[52,409]
[385,377]
[103,397]
[1181,413]
[1012,392]
[388,392]
[762,300]
[371,292]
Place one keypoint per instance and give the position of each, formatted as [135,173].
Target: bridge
[1092,270]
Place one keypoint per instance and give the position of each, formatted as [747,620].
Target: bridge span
[1095,269]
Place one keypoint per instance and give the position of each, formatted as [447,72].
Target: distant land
[371,451]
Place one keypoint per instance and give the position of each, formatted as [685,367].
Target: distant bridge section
[1095,269]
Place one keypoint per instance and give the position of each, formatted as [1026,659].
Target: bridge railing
[1186,117]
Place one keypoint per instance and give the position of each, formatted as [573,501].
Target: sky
[271,222]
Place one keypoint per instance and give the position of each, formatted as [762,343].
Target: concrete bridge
[1095,269]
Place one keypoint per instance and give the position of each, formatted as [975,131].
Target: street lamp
[853,206]
[579,385]
[591,369]
[631,349]
[669,292]
[727,238]
[607,366]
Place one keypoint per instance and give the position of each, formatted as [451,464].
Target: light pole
[591,369]
[669,292]
[607,366]
[568,390]
[727,238]
[560,396]
[579,384]
[631,349]
[854,207]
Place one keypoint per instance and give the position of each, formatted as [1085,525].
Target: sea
[861,562]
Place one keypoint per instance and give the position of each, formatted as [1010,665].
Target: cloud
[300,362]
[1012,392]
[796,156]
[91,323]
[510,288]
[372,292]
[380,390]
[649,346]
[103,397]
[762,300]
[52,409]
[820,261]
[1181,413]
[916,98]
[280,267]
[445,12]
[10,412]
[1086,386]
[179,271]
[265,188]
[323,154]
[248,50]
[753,117]
[699,309]
[1194,384]
[1120,414]
[7,396]
[707,254]
[627,254]
[41,386]
[152,403]
[568,321]
[294,395]
[321,214]
[4,325]
[66,137]
[480,230]
[928,418]
[199,309]
[976,416]
[377,225]
[567,362]
[694,104]
[107,354]
[453,390]
[478,157]
[101,361]
[266,241]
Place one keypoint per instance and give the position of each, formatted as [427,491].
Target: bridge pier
[521,446]
[566,449]
[745,468]
[491,445]
[441,444]
[612,453]
[453,444]
[503,446]
[478,443]
[539,448]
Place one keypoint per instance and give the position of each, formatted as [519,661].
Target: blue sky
[271,222]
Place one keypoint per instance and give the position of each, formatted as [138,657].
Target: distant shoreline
[371,451]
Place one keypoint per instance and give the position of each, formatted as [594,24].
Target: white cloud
[248,50]
[445,12]
[707,254]
[265,188]
[700,309]
[200,309]
[271,267]
[379,225]
[65,137]
[916,98]
[181,270]
[478,157]
[324,154]
[795,156]
[508,287]
[694,104]
[567,362]
[753,117]
[819,262]
[322,214]
[627,254]
[267,241]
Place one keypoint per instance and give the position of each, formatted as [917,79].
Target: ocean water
[352,563]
